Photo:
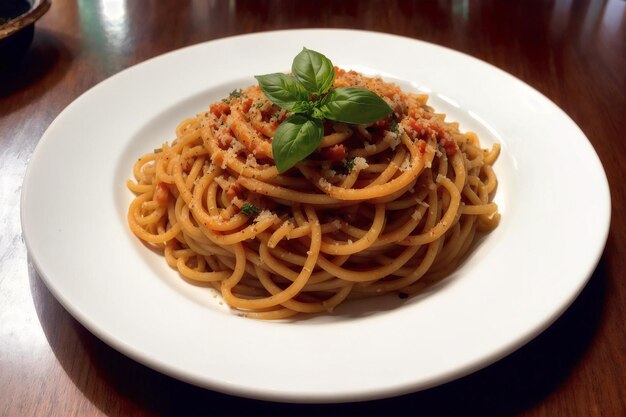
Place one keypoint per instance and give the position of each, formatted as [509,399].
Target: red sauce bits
[246,105]
[224,141]
[220,108]
[386,123]
[425,129]
[162,194]
[336,153]
[235,190]
[421,146]
[450,146]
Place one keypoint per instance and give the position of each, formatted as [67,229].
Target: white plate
[553,196]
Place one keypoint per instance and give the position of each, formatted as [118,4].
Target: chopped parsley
[395,128]
[250,209]
[233,94]
[349,165]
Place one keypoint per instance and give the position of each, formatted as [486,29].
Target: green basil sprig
[308,95]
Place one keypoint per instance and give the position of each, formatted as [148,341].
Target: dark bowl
[17,26]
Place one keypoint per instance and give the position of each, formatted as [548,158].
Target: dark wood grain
[574,52]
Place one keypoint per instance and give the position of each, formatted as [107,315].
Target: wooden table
[574,52]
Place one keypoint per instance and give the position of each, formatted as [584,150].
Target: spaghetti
[375,209]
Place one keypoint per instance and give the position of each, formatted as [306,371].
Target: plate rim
[250,392]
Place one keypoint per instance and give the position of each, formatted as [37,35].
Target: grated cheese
[266,215]
[251,161]
[360,163]
[393,139]
[406,163]
[370,148]
[324,184]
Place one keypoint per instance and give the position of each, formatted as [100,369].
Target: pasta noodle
[384,208]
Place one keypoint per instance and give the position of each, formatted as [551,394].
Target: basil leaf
[354,105]
[314,71]
[295,139]
[284,91]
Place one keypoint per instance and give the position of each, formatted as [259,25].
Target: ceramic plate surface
[517,281]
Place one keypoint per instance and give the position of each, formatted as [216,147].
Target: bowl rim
[37,9]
